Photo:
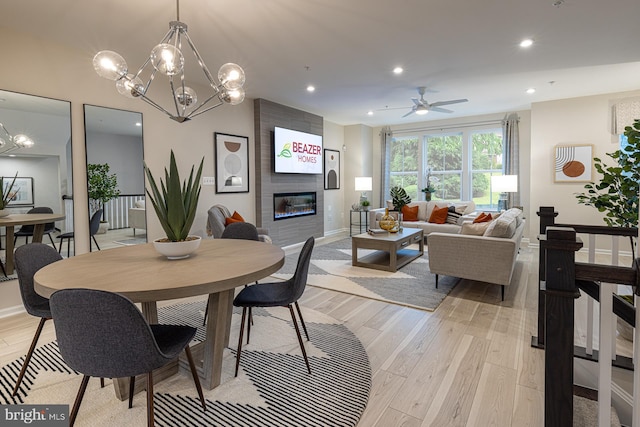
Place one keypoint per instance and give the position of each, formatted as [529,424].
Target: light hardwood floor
[468,363]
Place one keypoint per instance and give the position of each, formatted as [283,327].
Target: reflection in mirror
[44,169]
[115,159]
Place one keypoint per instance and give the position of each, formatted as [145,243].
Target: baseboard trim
[11,311]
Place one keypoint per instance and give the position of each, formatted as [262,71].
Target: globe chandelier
[167,58]
[10,143]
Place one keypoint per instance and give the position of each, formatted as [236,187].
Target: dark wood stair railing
[561,280]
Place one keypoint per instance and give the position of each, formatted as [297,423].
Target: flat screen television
[297,152]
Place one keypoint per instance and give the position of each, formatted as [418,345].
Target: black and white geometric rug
[413,285]
[273,387]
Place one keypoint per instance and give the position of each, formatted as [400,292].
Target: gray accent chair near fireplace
[216,218]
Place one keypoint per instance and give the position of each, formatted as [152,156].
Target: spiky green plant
[176,204]
[6,194]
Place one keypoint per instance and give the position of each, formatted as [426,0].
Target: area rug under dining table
[273,387]
[412,285]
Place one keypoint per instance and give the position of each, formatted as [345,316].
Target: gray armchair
[216,218]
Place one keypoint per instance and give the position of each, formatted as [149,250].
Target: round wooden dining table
[38,220]
[144,276]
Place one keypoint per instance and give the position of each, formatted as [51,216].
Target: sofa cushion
[139,204]
[474,229]
[439,215]
[502,227]
[409,213]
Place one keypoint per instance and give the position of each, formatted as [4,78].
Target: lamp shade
[504,183]
[364,183]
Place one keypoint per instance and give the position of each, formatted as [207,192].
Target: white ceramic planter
[4,212]
[177,250]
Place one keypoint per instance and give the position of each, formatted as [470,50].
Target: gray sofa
[482,258]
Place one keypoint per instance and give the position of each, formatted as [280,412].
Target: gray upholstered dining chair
[29,259]
[241,231]
[27,230]
[278,294]
[94,226]
[103,334]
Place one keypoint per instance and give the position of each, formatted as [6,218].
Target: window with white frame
[460,162]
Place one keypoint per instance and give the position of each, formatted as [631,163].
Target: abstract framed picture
[331,169]
[232,163]
[22,188]
[573,163]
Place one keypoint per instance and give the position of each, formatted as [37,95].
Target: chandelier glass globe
[110,65]
[231,76]
[186,97]
[130,86]
[167,59]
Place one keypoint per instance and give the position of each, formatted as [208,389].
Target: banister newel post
[547,216]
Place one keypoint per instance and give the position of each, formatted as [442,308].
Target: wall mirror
[44,169]
[115,169]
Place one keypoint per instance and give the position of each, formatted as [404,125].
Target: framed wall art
[573,163]
[23,189]
[331,169]
[232,163]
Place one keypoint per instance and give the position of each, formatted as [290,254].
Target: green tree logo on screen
[286,151]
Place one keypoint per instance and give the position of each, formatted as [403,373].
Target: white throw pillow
[139,204]
[503,227]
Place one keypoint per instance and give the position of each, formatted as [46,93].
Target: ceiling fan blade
[393,108]
[454,101]
[409,113]
[440,110]
[416,101]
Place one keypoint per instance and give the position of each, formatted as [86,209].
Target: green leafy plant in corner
[175,203]
[101,185]
[617,192]
[399,197]
[7,194]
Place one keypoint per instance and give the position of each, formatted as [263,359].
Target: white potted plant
[175,204]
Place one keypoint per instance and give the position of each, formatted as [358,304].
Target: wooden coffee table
[392,250]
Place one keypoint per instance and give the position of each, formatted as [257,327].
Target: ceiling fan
[423,107]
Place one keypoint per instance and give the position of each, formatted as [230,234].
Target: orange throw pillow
[230,220]
[236,217]
[409,213]
[439,215]
[483,217]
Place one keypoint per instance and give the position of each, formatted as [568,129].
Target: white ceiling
[458,49]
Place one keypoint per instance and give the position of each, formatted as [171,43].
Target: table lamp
[364,184]
[504,184]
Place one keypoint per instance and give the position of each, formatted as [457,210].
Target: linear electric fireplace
[289,205]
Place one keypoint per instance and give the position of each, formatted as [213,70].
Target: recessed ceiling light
[370,113]
[311,88]
[531,90]
[398,70]
[138,124]
[526,43]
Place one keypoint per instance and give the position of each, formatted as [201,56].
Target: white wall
[585,120]
[124,156]
[334,219]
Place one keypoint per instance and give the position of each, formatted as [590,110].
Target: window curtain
[511,153]
[385,144]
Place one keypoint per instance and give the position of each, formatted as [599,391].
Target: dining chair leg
[196,378]
[206,311]
[249,326]
[295,324]
[302,321]
[101,382]
[239,352]
[150,420]
[79,396]
[29,354]
[3,270]
[96,242]
[51,238]
[132,386]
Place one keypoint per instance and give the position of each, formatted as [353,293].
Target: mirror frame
[125,202]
